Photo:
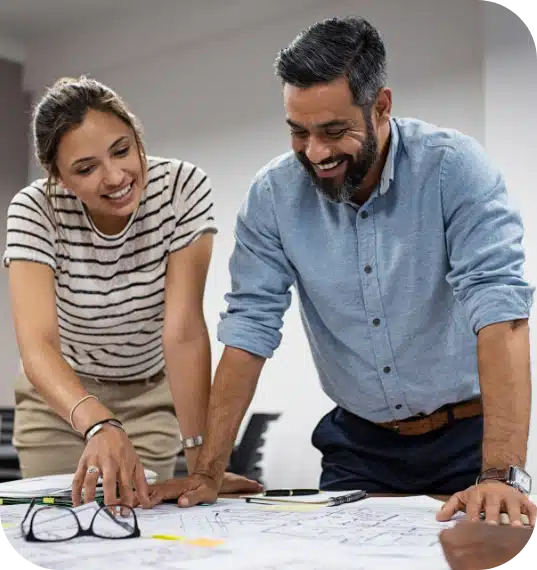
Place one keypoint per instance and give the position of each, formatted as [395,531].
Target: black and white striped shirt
[110,289]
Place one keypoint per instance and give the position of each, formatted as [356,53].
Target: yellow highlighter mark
[8,525]
[203,542]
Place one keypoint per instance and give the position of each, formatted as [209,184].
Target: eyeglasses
[58,523]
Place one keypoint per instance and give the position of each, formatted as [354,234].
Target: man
[477,546]
[407,260]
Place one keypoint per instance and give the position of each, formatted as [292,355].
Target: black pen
[290,492]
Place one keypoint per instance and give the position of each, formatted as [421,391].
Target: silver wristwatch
[513,475]
[190,442]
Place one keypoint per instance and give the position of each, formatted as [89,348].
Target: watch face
[521,478]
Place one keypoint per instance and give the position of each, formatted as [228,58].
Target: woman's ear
[57,181]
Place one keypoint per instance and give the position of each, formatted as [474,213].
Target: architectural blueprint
[395,533]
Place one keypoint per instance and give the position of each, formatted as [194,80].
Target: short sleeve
[31,234]
[192,204]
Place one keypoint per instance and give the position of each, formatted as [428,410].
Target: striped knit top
[110,288]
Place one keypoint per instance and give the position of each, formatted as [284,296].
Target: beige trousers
[47,444]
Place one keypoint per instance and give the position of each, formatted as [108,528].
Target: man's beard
[356,170]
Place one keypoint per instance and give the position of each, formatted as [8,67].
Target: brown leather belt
[419,425]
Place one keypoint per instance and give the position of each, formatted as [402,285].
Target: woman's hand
[112,454]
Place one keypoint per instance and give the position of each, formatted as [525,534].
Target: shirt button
[398,407]
[387,370]
[376,322]
[364,215]
[368,269]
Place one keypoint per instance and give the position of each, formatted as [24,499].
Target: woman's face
[98,161]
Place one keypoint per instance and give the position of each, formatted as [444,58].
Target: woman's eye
[122,151]
[85,171]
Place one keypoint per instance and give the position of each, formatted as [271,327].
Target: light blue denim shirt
[392,293]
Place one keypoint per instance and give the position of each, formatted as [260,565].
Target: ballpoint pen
[290,492]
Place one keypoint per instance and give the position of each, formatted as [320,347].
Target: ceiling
[24,19]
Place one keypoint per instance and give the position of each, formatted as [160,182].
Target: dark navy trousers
[357,454]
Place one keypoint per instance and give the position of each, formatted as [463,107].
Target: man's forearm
[189,372]
[504,371]
[232,391]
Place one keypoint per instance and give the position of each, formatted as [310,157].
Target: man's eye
[300,134]
[336,134]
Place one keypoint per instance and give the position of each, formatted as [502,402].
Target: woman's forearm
[188,366]
[60,388]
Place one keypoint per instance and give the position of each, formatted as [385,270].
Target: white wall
[510,80]
[12,49]
[204,89]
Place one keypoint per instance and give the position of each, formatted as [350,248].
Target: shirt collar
[388,172]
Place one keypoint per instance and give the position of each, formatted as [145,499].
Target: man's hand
[200,489]
[492,498]
[232,483]
[477,545]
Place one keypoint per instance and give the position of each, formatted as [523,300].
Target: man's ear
[383,105]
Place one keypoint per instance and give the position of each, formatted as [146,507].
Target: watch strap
[494,474]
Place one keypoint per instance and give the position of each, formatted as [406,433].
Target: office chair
[9,460]
[245,457]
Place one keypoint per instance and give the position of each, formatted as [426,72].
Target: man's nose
[317,150]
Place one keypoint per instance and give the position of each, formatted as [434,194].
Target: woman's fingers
[90,483]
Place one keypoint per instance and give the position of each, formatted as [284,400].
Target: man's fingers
[492,509]
[196,497]
[474,506]
[171,489]
[154,499]
[140,482]
[241,485]
[450,507]
[251,486]
[530,509]
[513,507]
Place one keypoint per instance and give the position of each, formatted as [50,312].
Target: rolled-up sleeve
[483,237]
[261,278]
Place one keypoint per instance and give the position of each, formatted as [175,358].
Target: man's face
[333,138]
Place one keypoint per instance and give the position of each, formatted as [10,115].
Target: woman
[108,258]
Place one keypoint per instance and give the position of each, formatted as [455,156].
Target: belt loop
[450,415]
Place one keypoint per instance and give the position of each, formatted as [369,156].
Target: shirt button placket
[365,229]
